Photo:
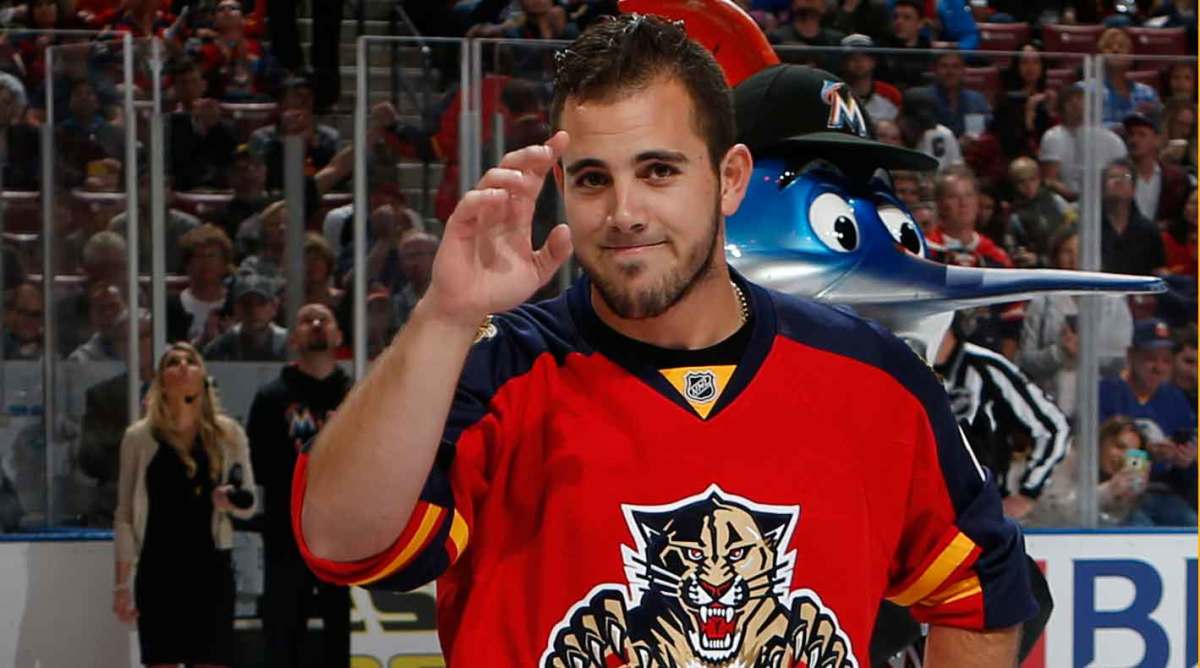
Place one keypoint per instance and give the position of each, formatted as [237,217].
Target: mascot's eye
[832,219]
[902,227]
[737,553]
[695,554]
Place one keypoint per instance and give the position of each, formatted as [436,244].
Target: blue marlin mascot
[820,219]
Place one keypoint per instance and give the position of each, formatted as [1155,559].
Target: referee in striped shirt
[1001,412]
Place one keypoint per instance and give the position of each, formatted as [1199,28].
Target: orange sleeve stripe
[456,542]
[422,527]
[956,551]
[954,592]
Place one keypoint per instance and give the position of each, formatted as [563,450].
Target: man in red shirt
[666,465]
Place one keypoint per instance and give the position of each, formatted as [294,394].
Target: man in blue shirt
[1142,390]
[960,109]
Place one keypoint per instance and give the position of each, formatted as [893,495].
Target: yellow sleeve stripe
[459,534]
[425,529]
[951,557]
[956,592]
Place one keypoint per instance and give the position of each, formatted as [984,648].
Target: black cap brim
[851,152]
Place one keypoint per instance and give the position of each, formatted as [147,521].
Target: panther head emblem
[709,581]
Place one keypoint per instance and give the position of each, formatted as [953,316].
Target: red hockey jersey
[590,509]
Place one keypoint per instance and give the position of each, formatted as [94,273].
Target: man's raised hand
[486,262]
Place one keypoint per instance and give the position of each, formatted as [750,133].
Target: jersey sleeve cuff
[430,527]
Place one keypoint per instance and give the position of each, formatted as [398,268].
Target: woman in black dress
[172,528]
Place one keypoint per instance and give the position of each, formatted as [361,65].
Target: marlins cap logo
[843,108]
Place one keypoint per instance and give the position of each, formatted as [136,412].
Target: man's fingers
[520,183]
[539,158]
[553,253]
[474,206]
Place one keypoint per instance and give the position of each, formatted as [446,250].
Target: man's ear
[734,176]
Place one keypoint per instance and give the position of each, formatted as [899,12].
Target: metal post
[49,323]
[293,191]
[359,218]
[132,232]
[467,120]
[1087,366]
[477,111]
[158,211]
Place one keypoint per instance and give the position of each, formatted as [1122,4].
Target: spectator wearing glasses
[1129,243]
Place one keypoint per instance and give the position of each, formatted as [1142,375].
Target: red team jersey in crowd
[590,508]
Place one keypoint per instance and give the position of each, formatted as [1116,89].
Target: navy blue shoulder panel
[506,350]
[840,331]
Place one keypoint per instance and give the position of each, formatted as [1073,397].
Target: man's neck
[707,315]
[256,338]
[317,365]
[806,29]
[1142,391]
[1146,165]
[965,234]
[207,292]
[1118,216]
[862,87]
[250,195]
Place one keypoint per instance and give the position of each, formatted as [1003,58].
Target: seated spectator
[888,132]
[178,223]
[295,117]
[536,19]
[338,229]
[201,143]
[1025,109]
[146,18]
[920,130]
[962,110]
[906,69]
[881,99]
[925,215]
[1038,213]
[1179,81]
[1143,390]
[955,240]
[248,179]
[863,17]
[30,47]
[1061,151]
[85,136]
[1123,480]
[194,315]
[1122,95]
[1129,243]
[1180,118]
[105,418]
[108,317]
[907,186]
[236,65]
[1179,239]
[104,264]
[1183,371]
[1160,188]
[1049,348]
[417,250]
[270,239]
[805,29]
[20,145]
[254,337]
[319,265]
[766,20]
[956,26]
[1170,498]
[24,322]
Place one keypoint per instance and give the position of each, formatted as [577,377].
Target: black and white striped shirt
[995,403]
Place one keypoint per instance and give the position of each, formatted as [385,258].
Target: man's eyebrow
[582,164]
[661,155]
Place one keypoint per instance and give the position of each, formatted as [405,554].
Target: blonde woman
[176,492]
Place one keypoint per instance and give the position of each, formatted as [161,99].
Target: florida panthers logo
[708,587]
[843,108]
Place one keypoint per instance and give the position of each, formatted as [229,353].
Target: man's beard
[671,288]
[318,344]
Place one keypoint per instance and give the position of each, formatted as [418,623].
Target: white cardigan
[137,450]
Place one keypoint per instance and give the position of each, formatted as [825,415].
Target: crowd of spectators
[1008,133]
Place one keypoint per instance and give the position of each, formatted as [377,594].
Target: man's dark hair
[917,6]
[1185,337]
[627,53]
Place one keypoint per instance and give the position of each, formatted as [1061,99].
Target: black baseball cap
[796,109]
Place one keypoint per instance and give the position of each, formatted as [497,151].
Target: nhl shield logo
[700,386]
